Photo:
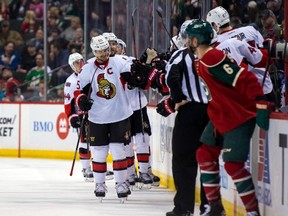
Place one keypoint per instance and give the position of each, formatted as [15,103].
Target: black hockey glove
[83,102]
[144,71]
[166,107]
[75,121]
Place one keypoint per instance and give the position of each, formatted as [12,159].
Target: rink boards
[42,131]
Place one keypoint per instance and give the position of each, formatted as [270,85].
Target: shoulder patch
[214,58]
[68,84]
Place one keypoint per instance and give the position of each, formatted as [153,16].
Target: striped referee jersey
[182,78]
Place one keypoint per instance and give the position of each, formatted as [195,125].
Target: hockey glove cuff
[262,114]
[166,107]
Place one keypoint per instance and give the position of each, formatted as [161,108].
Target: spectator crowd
[21,37]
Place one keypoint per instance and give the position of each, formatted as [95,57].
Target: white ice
[39,187]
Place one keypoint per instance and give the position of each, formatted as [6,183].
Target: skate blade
[109,177]
[122,199]
[156,184]
[89,179]
[143,186]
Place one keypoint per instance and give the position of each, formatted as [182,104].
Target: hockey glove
[144,71]
[262,115]
[166,107]
[75,121]
[83,102]
[136,80]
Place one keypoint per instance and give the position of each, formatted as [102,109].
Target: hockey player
[235,99]
[76,61]
[220,20]
[141,132]
[103,96]
[121,47]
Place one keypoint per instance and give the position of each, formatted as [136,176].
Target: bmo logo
[62,126]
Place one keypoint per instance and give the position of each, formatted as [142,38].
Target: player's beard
[102,58]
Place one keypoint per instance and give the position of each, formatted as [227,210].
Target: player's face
[113,47]
[102,55]
[78,65]
[192,43]
[120,50]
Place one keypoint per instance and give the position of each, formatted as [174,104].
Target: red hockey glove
[83,102]
[166,107]
[75,121]
[262,115]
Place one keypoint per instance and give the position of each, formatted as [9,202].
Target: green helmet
[201,30]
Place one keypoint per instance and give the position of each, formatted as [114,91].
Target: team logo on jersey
[106,89]
[206,89]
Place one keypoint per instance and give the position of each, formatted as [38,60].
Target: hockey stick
[133,34]
[268,61]
[135,55]
[163,24]
[81,127]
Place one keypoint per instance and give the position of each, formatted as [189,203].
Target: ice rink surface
[39,187]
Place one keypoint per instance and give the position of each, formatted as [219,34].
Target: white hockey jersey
[247,33]
[108,90]
[241,50]
[72,83]
[133,94]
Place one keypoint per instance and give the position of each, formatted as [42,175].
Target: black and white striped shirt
[182,78]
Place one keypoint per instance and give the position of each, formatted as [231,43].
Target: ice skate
[173,213]
[254,213]
[109,175]
[128,186]
[132,181]
[217,209]
[155,179]
[100,191]
[122,191]
[206,212]
[88,174]
[145,181]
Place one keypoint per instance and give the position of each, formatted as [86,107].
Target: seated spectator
[58,58]
[4,10]
[69,33]
[11,89]
[9,58]
[27,60]
[38,7]
[6,34]
[54,35]
[35,76]
[77,45]
[275,7]
[38,40]
[54,13]
[29,24]
[270,27]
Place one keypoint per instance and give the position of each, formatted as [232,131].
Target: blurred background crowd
[22,37]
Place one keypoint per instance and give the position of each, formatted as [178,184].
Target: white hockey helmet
[110,36]
[182,33]
[74,57]
[219,16]
[99,43]
[177,41]
[121,42]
